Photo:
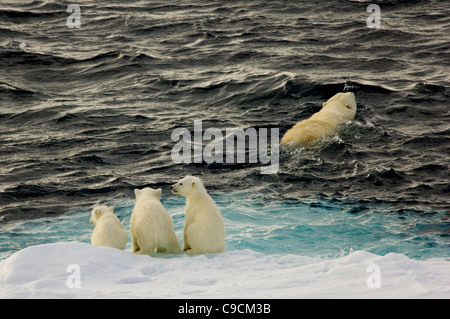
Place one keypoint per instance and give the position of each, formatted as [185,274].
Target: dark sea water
[86,114]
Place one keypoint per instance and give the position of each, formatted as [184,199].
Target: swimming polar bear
[204,228]
[108,229]
[338,109]
[151,226]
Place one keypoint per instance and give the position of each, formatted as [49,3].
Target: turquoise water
[316,227]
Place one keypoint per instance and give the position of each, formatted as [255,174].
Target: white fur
[108,229]
[204,228]
[151,226]
[338,109]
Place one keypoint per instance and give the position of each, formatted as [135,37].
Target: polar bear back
[151,217]
[308,130]
[151,225]
[338,109]
[203,209]
[109,232]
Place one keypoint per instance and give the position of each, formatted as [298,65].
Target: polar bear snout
[186,185]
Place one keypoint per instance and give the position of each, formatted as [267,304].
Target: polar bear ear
[137,192]
[111,209]
[158,192]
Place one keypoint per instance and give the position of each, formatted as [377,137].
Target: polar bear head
[188,186]
[98,212]
[148,192]
[344,104]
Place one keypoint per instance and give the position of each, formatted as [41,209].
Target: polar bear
[339,108]
[204,228]
[151,226]
[108,229]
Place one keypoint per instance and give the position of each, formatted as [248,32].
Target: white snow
[41,272]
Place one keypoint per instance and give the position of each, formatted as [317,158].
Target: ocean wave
[19,14]
[6,88]
[32,58]
[110,94]
[426,88]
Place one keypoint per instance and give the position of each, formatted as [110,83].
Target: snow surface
[41,272]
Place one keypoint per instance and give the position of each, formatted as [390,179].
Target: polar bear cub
[151,226]
[339,108]
[108,229]
[204,228]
